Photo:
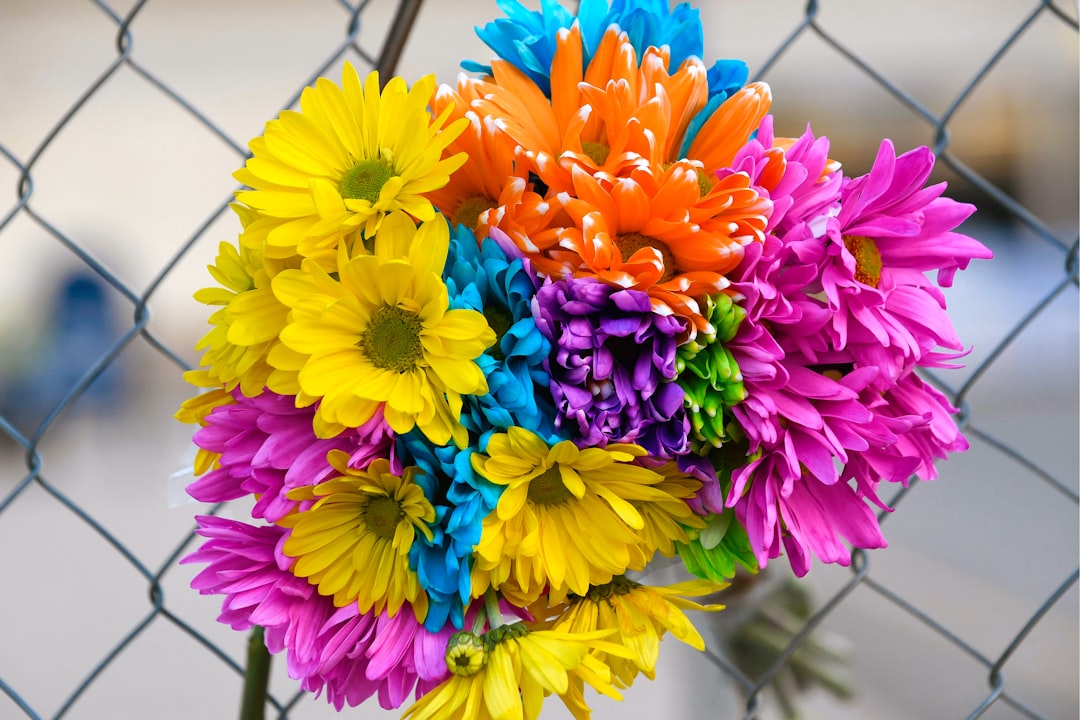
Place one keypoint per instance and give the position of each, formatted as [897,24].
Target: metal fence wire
[74,538]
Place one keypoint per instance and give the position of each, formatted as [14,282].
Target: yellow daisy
[639,615]
[247,322]
[382,335]
[507,674]
[666,520]
[567,519]
[350,155]
[195,409]
[353,543]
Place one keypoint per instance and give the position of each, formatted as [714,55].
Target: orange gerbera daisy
[632,198]
[619,115]
[640,107]
[554,135]
[532,221]
[481,182]
[655,234]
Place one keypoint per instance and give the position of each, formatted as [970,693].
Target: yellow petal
[430,246]
[500,686]
[396,238]
[278,204]
[257,317]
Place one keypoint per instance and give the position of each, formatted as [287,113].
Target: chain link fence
[121,126]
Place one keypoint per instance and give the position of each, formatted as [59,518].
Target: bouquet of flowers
[482,352]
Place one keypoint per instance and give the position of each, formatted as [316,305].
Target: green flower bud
[466,653]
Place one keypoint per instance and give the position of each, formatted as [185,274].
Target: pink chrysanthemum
[936,437]
[268,447]
[244,565]
[793,491]
[348,655]
[833,407]
[796,175]
[355,655]
[797,420]
[889,232]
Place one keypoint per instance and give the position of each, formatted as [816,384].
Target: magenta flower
[911,224]
[800,180]
[912,428]
[891,230]
[816,515]
[612,366]
[348,655]
[353,656]
[244,565]
[839,315]
[798,422]
[936,437]
[793,491]
[268,447]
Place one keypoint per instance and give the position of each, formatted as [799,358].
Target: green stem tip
[491,609]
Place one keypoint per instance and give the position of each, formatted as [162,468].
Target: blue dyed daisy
[481,277]
[462,500]
[526,38]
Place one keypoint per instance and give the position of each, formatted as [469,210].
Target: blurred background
[116,154]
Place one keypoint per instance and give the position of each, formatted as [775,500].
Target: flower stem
[256,677]
[491,609]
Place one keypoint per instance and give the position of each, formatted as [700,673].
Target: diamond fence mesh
[120,126]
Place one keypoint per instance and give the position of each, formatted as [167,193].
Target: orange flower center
[469,210]
[630,243]
[867,259]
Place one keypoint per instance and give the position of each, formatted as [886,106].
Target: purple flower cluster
[613,366]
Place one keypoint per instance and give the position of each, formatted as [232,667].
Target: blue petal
[727,77]
[527,38]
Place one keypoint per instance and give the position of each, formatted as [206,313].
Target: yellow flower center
[392,339]
[834,371]
[364,180]
[466,654]
[500,320]
[705,183]
[597,152]
[867,259]
[547,488]
[630,243]
[468,212]
[382,515]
